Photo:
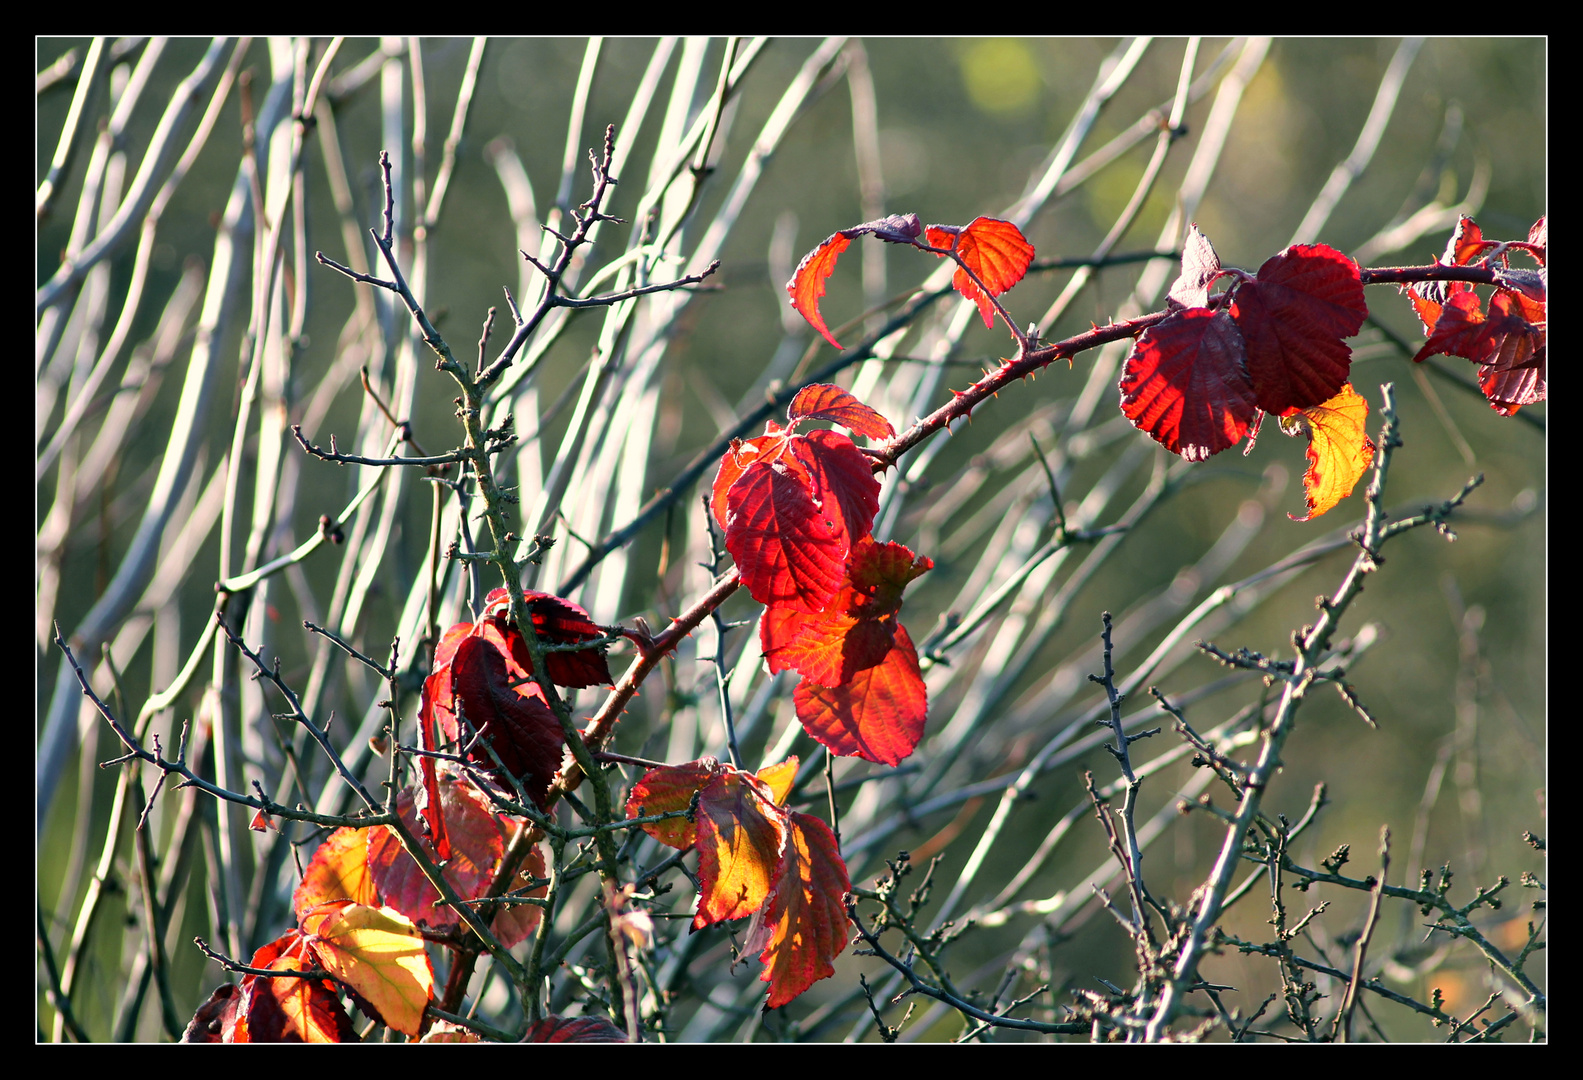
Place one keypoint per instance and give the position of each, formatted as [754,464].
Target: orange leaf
[803,927]
[995,250]
[668,789]
[338,871]
[740,835]
[807,284]
[822,401]
[878,715]
[378,953]
[516,922]
[1339,452]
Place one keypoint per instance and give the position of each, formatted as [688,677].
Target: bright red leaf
[1187,384]
[856,630]
[877,715]
[995,250]
[807,284]
[1293,318]
[821,401]
[792,505]
[803,927]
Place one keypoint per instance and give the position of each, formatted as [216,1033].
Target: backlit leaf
[877,715]
[995,250]
[337,871]
[739,838]
[822,401]
[1339,450]
[1187,384]
[1293,318]
[668,789]
[803,927]
[378,953]
[807,284]
[515,923]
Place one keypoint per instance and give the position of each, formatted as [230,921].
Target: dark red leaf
[1187,385]
[557,1029]
[1293,318]
[488,682]
[822,401]
[807,284]
[558,622]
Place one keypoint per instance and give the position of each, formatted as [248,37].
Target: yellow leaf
[1339,452]
[377,952]
[779,778]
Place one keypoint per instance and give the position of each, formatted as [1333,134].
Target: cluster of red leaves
[758,860]
[362,908]
[995,252]
[484,674]
[797,510]
[1198,380]
[1507,342]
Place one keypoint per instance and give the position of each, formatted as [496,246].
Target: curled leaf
[807,284]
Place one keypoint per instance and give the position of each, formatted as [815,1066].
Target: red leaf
[1200,267]
[1293,318]
[803,927]
[856,630]
[1459,330]
[788,551]
[841,481]
[807,284]
[558,622]
[877,715]
[477,846]
[1515,373]
[667,789]
[822,401]
[995,250]
[764,449]
[488,681]
[558,1029]
[1187,385]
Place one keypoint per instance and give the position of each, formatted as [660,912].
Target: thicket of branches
[1161,794]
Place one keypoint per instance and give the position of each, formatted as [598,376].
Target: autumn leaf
[379,953]
[821,401]
[803,927]
[262,1009]
[337,871]
[1186,384]
[557,1029]
[558,622]
[878,714]
[793,504]
[487,679]
[1293,318]
[855,631]
[994,250]
[515,923]
[476,850]
[1339,451]
[739,831]
[807,284]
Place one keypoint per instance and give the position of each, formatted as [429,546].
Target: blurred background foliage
[962,126]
